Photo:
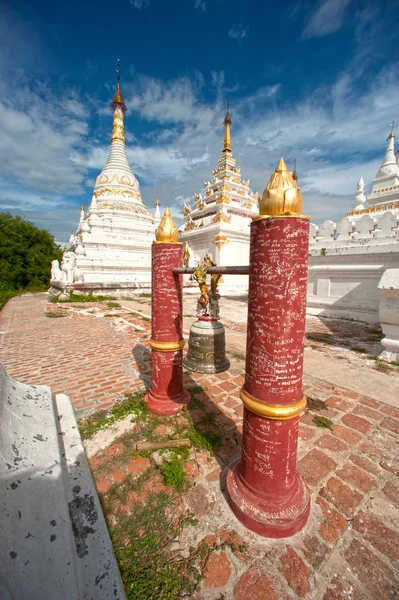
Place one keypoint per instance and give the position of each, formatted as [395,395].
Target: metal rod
[218,270]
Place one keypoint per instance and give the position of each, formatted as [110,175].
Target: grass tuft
[323,422]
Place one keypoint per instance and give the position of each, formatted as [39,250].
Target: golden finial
[118,100]
[227,123]
[118,128]
[157,202]
[281,197]
[294,175]
[167,232]
[82,206]
[392,134]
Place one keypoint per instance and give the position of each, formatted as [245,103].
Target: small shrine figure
[208,302]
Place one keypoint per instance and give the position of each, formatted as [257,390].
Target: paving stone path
[350,547]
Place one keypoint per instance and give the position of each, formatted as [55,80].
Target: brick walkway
[350,547]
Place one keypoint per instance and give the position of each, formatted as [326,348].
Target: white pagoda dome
[218,224]
[111,249]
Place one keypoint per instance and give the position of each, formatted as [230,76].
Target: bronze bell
[206,347]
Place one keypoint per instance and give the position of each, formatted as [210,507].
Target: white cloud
[238,32]
[200,4]
[326,19]
[49,159]
[140,3]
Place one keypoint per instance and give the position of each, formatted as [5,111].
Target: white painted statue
[68,266]
[56,273]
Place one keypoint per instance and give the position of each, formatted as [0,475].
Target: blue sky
[315,80]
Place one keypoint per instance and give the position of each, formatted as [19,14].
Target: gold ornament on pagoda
[208,193]
[201,204]
[221,217]
[281,197]
[118,128]
[115,192]
[220,240]
[223,199]
[190,224]
[187,210]
[167,232]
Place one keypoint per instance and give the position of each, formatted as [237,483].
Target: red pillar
[264,489]
[167,396]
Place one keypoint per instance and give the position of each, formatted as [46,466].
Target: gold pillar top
[281,197]
[167,232]
[227,123]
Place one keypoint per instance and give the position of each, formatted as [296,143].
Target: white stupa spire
[389,166]
[360,197]
[386,183]
[116,182]
[157,217]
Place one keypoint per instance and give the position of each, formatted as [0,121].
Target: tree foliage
[26,253]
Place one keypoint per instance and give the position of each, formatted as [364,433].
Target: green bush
[26,253]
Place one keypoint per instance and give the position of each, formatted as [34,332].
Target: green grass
[72,297]
[358,349]
[173,471]
[323,422]
[6,295]
[133,405]
[382,366]
[54,315]
[195,389]
[152,565]
[113,305]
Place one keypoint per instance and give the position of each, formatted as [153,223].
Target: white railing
[378,229]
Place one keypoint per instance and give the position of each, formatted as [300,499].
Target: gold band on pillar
[167,346]
[272,411]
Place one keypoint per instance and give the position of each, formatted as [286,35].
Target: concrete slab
[54,541]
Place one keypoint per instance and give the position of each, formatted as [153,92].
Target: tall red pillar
[264,489]
[167,396]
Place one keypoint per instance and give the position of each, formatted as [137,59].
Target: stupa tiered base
[207,347]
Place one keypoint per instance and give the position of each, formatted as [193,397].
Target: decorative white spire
[388,166]
[360,197]
[157,217]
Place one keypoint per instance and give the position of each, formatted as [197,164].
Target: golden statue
[208,300]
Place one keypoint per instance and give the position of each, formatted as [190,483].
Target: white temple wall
[346,263]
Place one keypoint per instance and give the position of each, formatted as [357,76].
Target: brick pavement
[350,547]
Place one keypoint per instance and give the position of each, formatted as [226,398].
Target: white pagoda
[384,195]
[218,224]
[111,249]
